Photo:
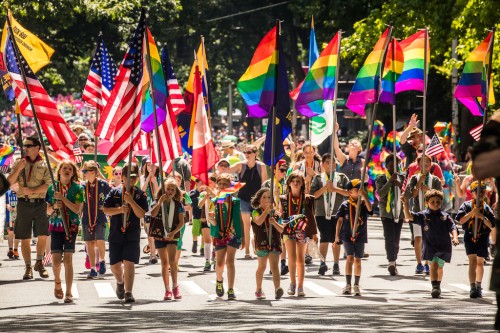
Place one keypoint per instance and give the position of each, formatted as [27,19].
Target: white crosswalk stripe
[316,288]
[192,288]
[104,289]
[466,287]
[74,290]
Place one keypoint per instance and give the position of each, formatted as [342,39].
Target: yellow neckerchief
[472,220]
[391,192]
[352,212]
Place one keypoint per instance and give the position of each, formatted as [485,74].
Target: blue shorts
[120,251]
[59,243]
[245,207]
[480,248]
[354,249]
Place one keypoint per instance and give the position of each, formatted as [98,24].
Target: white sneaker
[357,290]
[347,290]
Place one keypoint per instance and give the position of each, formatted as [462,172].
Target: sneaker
[419,269]
[28,273]
[10,254]
[492,250]
[308,259]
[392,269]
[219,289]
[87,262]
[347,290]
[356,290]
[16,254]
[322,268]
[129,298]
[259,294]
[230,294]
[102,268]
[473,292]
[168,295]
[207,266]
[427,269]
[153,261]
[177,293]
[300,292]
[202,251]
[120,290]
[336,269]
[436,292]
[291,290]
[284,268]
[40,269]
[479,292]
[278,293]
[92,274]
[194,249]
[213,264]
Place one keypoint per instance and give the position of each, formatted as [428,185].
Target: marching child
[476,247]
[228,236]
[10,219]
[266,248]
[353,235]
[167,247]
[205,204]
[436,228]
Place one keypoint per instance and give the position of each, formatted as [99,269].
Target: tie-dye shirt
[75,194]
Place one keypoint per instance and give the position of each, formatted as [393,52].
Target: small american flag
[47,259]
[101,79]
[435,147]
[77,156]
[175,102]
[55,128]
[476,132]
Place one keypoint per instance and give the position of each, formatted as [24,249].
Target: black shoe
[230,294]
[322,268]
[473,293]
[308,259]
[10,254]
[153,260]
[194,249]
[336,269]
[129,298]
[120,290]
[392,269]
[436,292]
[202,251]
[479,292]
[284,269]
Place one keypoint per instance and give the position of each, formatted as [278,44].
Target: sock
[392,263]
[202,245]
[195,243]
[478,284]
[434,284]
[472,285]
[27,262]
[356,280]
[208,250]
[39,258]
[438,284]
[348,279]
[283,261]
[10,248]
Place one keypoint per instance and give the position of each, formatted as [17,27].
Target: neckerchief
[470,224]
[128,215]
[266,228]
[64,212]
[225,225]
[290,205]
[352,216]
[37,158]
[328,199]
[92,218]
[421,194]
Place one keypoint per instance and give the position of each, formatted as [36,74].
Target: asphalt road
[388,304]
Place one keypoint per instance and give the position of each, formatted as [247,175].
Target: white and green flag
[322,125]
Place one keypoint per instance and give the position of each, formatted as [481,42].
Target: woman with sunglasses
[117,177]
[93,218]
[252,173]
[297,209]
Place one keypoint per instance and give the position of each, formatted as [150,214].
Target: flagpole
[394,133]
[97,111]
[370,133]
[21,145]
[485,118]
[205,81]
[157,135]
[332,139]
[273,129]
[424,98]
[37,123]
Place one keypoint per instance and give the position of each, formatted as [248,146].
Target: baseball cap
[355,183]
[227,144]
[473,186]
[134,170]
[282,162]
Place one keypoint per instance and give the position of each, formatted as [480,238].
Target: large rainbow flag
[160,89]
[366,87]
[471,89]
[392,70]
[6,153]
[412,77]
[319,84]
[257,84]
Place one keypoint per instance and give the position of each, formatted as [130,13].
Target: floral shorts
[231,240]
[299,236]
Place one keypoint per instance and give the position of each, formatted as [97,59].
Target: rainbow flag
[160,89]
[6,153]
[366,86]
[257,84]
[471,89]
[412,77]
[392,70]
[228,191]
[319,84]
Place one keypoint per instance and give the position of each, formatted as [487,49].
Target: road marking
[428,286]
[316,288]
[74,289]
[104,289]
[465,287]
[236,290]
[192,288]
[339,284]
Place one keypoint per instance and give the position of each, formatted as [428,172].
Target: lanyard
[92,219]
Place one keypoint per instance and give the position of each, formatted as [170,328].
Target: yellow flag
[491,93]
[33,49]
[202,64]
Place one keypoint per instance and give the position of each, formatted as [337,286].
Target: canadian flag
[204,154]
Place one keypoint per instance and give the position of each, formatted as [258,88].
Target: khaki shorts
[31,219]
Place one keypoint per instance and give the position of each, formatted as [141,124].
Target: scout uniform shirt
[318,182]
[348,210]
[103,189]
[483,231]
[37,173]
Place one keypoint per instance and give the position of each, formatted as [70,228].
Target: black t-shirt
[133,230]
[195,195]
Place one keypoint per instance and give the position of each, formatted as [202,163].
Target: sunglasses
[83,139]
[117,174]
[420,151]
[30,146]
[282,170]
[223,165]
[84,171]
[249,152]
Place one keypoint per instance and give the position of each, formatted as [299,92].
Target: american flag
[77,156]
[476,132]
[101,79]
[121,117]
[435,147]
[175,102]
[170,142]
[144,141]
[57,131]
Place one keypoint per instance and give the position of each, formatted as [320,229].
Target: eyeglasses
[420,151]
[30,146]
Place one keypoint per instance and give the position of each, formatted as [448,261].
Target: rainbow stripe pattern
[6,153]
[257,84]
[471,89]
[160,88]
[412,77]
[221,197]
[393,68]
[366,86]
[319,84]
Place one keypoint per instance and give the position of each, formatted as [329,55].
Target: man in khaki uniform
[33,177]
